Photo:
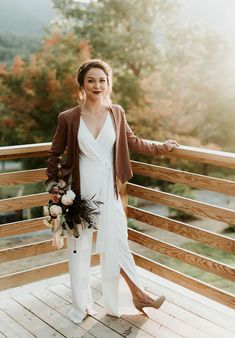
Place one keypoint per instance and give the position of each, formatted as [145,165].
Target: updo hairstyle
[84,68]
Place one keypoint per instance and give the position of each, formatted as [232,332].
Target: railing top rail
[204,155]
[24,148]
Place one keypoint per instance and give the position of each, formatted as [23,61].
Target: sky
[219,14]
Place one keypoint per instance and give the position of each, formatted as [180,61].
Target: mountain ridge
[25,17]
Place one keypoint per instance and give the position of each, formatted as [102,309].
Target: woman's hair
[84,68]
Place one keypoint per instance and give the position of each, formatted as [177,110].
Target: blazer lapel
[115,122]
[76,121]
[76,124]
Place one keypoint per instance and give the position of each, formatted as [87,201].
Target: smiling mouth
[97,92]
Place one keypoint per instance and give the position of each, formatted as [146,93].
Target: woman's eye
[92,81]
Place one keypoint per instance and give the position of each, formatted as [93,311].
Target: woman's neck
[92,107]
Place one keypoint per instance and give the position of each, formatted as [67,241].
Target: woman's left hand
[169,145]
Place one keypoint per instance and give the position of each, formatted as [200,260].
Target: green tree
[123,33]
[12,44]
[164,70]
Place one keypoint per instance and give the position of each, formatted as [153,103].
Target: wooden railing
[225,215]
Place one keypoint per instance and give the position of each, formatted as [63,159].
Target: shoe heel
[139,307]
[144,313]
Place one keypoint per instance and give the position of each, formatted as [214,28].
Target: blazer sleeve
[140,145]
[58,147]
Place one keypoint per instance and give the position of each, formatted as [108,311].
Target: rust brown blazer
[65,138]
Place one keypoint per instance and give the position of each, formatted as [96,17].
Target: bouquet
[68,212]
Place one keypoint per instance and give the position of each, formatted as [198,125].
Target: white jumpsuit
[97,178]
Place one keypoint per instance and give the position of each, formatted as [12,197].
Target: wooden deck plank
[117,324]
[10,328]
[40,284]
[42,307]
[195,320]
[62,306]
[46,313]
[228,312]
[151,328]
[183,298]
[164,319]
[148,325]
[57,297]
[28,320]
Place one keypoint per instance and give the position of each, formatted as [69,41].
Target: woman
[98,139]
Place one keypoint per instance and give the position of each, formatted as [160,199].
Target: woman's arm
[58,147]
[142,146]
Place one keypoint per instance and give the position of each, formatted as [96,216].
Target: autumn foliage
[34,92]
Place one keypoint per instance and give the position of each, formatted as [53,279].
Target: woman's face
[95,84]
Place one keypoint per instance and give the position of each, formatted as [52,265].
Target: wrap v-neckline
[95,138]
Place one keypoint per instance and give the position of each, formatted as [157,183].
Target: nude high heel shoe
[156,303]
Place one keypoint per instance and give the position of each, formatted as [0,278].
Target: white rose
[55,210]
[71,194]
[67,199]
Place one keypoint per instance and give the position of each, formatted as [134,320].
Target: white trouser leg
[125,259]
[110,288]
[79,268]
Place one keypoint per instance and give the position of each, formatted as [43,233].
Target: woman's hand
[169,145]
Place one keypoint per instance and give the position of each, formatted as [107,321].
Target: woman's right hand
[169,145]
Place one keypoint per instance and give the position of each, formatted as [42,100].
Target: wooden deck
[40,310]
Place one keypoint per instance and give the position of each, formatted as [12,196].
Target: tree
[164,70]
[34,92]
[12,44]
[121,32]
